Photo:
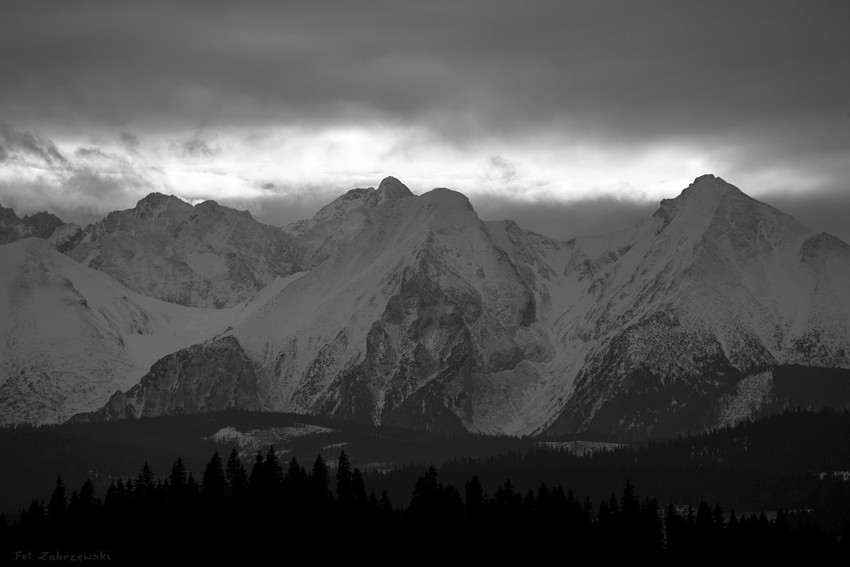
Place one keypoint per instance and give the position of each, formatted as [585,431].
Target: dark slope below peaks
[212,376]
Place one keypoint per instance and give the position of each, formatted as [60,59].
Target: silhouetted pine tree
[273,471]
[145,481]
[473,498]
[237,479]
[214,488]
[344,487]
[177,478]
[258,477]
[358,488]
[319,479]
[57,504]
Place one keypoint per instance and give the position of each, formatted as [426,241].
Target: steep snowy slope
[70,336]
[205,255]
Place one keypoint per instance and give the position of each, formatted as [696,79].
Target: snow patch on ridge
[583,448]
[250,442]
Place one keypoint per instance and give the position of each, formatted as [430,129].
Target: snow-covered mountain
[417,313]
[205,255]
[70,336]
[678,311]
[424,316]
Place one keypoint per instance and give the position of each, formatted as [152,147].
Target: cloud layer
[519,103]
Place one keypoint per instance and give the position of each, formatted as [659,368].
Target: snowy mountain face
[205,255]
[411,317]
[416,313]
[445,322]
[70,336]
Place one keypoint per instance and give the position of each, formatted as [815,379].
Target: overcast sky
[568,116]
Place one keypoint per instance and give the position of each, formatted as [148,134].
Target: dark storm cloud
[760,85]
[198,145]
[80,185]
[19,143]
[91,183]
[90,153]
[130,141]
[618,71]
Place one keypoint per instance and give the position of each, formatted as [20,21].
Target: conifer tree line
[317,516]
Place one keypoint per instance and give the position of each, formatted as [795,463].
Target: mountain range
[405,310]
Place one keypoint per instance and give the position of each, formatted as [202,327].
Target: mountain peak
[391,189]
[155,204]
[697,203]
[43,223]
[7,213]
[705,177]
[214,209]
[709,184]
[447,198]
[706,189]
[155,200]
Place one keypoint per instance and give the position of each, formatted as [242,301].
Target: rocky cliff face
[205,255]
[212,376]
[40,225]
